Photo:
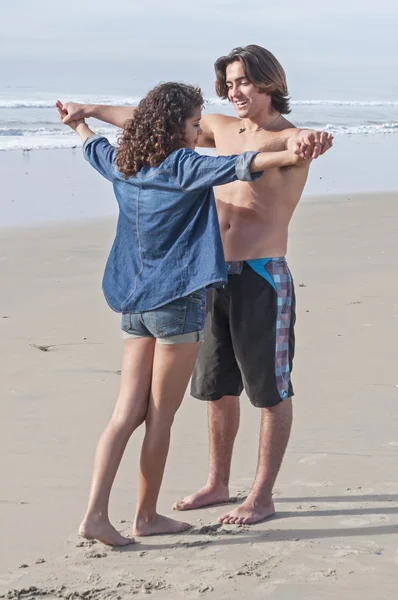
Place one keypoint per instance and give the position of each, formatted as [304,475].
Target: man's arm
[114,115]
[118,115]
[207,124]
[310,142]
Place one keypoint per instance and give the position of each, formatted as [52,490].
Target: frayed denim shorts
[181,321]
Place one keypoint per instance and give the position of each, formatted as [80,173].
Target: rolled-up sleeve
[194,171]
[242,167]
[100,153]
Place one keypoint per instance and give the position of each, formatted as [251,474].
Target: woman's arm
[82,129]
[271,160]
[97,150]
[194,171]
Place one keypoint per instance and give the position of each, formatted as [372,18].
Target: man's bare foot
[207,496]
[158,525]
[248,513]
[104,532]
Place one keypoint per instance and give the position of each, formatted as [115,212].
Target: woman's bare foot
[104,532]
[158,525]
[248,513]
[207,496]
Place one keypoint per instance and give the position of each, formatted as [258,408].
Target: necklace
[243,128]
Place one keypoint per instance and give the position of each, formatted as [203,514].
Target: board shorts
[249,335]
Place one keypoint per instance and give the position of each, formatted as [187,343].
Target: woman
[166,252]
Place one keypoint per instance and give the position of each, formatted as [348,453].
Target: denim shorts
[181,321]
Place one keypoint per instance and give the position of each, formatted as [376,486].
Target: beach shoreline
[54,186]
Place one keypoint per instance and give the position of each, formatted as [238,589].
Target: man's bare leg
[129,413]
[172,368]
[223,418]
[275,429]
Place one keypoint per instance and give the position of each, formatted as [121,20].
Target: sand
[337,494]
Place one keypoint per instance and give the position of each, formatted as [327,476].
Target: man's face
[193,129]
[243,94]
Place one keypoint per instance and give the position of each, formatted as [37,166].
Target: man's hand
[78,125]
[115,115]
[66,118]
[313,143]
[72,111]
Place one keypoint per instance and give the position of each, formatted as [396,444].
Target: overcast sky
[337,45]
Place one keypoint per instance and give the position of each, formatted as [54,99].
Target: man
[249,337]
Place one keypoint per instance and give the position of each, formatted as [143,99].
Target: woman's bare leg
[130,411]
[172,368]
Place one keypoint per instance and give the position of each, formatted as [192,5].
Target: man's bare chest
[259,142]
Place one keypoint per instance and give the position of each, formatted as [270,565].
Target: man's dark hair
[261,68]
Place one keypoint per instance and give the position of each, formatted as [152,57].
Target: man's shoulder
[212,124]
[275,139]
[286,124]
[219,117]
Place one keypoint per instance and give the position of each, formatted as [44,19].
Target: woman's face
[193,129]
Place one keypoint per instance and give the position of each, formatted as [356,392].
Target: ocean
[28,120]
[45,179]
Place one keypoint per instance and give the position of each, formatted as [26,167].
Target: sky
[328,48]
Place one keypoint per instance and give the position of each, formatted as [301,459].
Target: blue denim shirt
[168,241]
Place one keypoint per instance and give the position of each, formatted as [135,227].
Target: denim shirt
[167,242]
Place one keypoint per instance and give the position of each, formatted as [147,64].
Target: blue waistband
[257,264]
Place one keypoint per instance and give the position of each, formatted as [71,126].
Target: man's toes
[224,519]
[182,505]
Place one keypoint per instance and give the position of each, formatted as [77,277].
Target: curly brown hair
[158,126]
[262,69]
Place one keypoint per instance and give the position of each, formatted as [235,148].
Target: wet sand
[337,494]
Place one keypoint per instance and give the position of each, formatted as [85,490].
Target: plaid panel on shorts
[279,271]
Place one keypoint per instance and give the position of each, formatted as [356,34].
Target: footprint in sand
[345,551]
[312,460]
[355,522]
[312,484]
[360,521]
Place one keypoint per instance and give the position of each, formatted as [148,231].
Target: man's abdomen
[244,240]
